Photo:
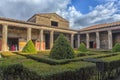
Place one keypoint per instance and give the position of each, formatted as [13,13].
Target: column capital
[4,24]
[72,34]
[109,30]
[52,31]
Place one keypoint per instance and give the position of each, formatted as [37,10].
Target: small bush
[82,48]
[29,48]
[116,48]
[82,54]
[61,49]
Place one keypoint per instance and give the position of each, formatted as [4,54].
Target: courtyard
[41,67]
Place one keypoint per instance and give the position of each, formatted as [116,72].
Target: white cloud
[24,9]
[70,14]
[103,13]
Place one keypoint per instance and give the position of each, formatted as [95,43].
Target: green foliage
[17,72]
[61,49]
[29,48]
[82,48]
[116,48]
[82,54]
[38,70]
[44,59]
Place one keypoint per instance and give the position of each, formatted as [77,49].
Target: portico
[14,34]
[25,33]
[104,38]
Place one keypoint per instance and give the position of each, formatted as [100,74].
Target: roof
[100,26]
[30,23]
[46,15]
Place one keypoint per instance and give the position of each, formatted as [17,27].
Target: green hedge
[76,72]
[71,71]
[110,67]
[17,72]
[63,61]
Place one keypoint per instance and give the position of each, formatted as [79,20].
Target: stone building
[43,30]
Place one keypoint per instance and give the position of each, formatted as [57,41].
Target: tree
[29,48]
[61,49]
[82,48]
[116,48]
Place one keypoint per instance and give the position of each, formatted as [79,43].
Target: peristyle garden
[62,62]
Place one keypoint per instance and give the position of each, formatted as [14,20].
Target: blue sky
[80,13]
[84,5]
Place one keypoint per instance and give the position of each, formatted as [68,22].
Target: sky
[80,13]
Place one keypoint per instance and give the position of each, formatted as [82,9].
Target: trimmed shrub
[116,48]
[29,48]
[61,49]
[82,48]
[17,72]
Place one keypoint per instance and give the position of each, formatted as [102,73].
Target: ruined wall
[43,20]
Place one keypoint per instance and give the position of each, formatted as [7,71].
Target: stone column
[51,39]
[29,34]
[110,42]
[78,40]
[87,40]
[41,39]
[4,37]
[97,40]
[72,40]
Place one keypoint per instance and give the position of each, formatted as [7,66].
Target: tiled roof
[101,26]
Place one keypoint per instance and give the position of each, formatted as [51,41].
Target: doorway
[13,44]
[91,44]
